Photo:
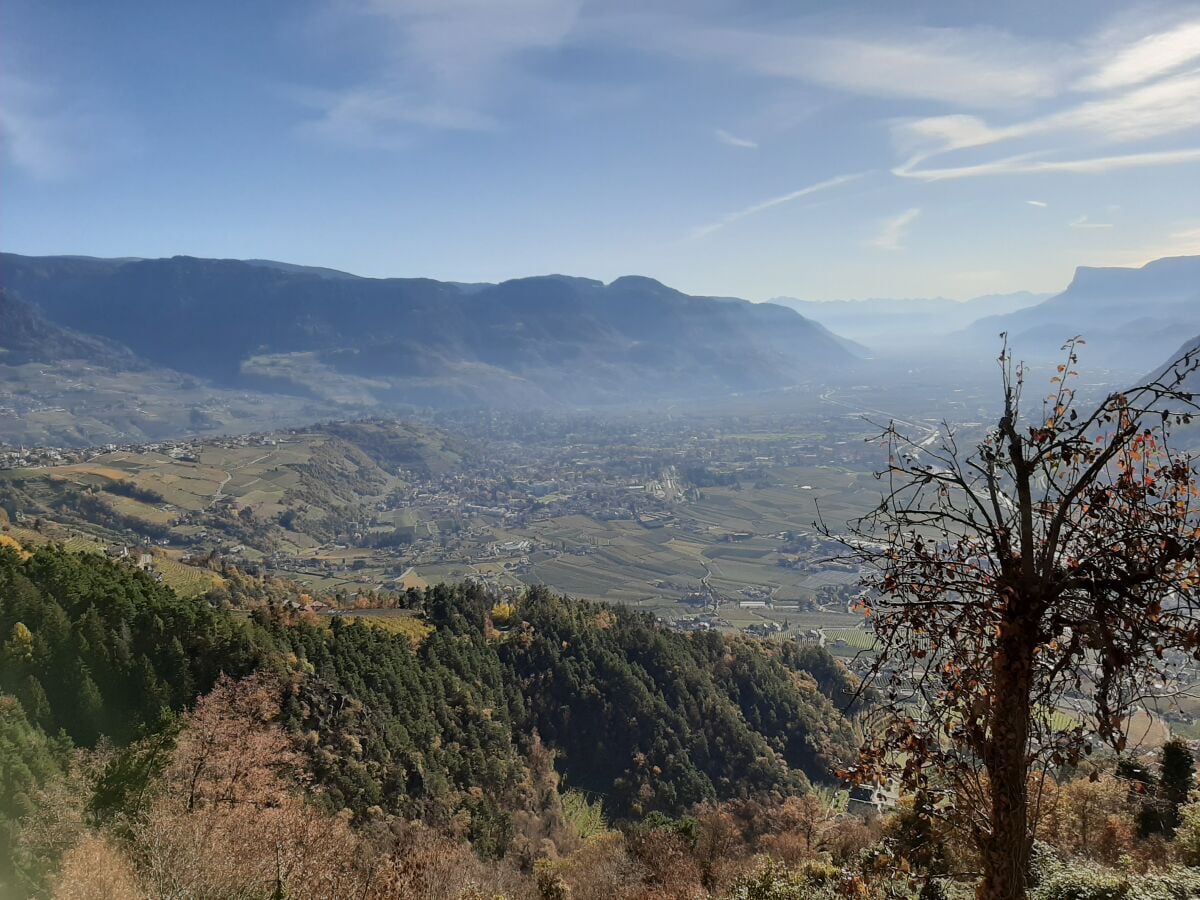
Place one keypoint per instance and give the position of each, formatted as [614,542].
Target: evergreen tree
[88,723]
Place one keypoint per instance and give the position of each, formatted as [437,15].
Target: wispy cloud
[52,133]
[440,65]
[1182,240]
[969,67]
[33,138]
[734,141]
[1137,96]
[990,103]
[383,116]
[894,230]
[1026,164]
[1148,111]
[1053,101]
[1085,222]
[1149,57]
[435,65]
[764,205]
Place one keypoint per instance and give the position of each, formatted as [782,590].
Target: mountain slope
[1130,318]
[59,386]
[26,336]
[650,719]
[1167,365]
[528,341]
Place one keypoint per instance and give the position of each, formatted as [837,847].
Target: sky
[754,149]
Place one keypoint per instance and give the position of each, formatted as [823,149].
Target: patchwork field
[321,498]
[623,560]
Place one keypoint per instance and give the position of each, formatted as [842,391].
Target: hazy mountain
[337,337]
[1169,362]
[62,387]
[1130,318]
[880,323]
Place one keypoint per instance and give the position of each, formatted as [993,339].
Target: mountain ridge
[1129,316]
[525,341]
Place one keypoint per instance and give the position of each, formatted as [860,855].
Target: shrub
[1187,836]
[1090,882]
[774,881]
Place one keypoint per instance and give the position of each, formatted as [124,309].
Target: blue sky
[817,150]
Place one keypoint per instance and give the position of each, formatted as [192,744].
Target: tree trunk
[1006,851]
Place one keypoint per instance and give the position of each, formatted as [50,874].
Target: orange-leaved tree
[1051,564]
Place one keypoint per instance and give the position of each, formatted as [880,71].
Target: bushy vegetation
[1089,881]
[28,760]
[126,488]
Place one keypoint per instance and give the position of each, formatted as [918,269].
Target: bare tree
[1052,565]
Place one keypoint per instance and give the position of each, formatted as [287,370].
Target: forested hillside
[543,749]
[640,719]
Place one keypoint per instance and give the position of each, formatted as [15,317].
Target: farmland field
[855,638]
[630,521]
[187,581]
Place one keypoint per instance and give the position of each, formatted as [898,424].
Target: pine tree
[37,704]
[88,722]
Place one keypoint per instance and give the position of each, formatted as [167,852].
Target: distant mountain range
[1130,318]
[99,349]
[332,336]
[882,323]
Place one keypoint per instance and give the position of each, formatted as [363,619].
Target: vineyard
[186,581]
[855,638]
[394,621]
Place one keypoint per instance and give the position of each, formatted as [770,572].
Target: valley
[703,525]
[708,522]
[560,450]
[715,512]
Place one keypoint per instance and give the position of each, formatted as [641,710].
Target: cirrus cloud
[894,229]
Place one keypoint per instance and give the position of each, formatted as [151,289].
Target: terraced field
[258,476]
[625,561]
[733,542]
[855,638]
[187,581]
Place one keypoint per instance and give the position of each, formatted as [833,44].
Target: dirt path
[219,494]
